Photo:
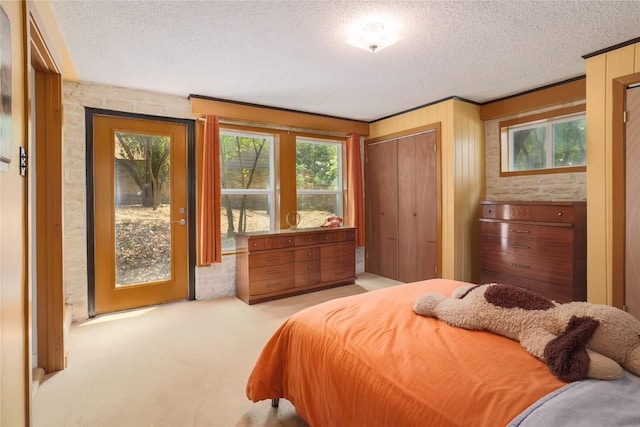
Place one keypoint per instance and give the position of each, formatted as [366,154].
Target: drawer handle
[273,272]
[273,285]
[519,265]
[559,213]
[273,258]
[515,230]
[255,244]
[309,254]
[520,246]
[289,241]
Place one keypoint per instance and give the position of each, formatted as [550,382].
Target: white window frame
[340,190]
[506,136]
[269,192]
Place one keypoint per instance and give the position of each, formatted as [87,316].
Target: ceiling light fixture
[373,36]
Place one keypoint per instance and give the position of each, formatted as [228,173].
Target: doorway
[140,210]
[632,202]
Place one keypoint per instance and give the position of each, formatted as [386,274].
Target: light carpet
[178,364]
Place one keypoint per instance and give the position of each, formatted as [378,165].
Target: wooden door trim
[90,113]
[47,145]
[437,128]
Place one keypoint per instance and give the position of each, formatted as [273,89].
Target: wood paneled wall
[463,177]
[607,73]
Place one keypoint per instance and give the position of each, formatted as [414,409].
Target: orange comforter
[369,360]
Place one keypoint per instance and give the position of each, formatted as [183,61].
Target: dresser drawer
[270,272]
[524,212]
[307,279]
[307,266]
[338,236]
[544,269]
[271,285]
[336,262]
[271,242]
[527,247]
[307,239]
[557,234]
[340,273]
[342,249]
[270,258]
[307,254]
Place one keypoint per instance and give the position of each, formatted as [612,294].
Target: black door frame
[191,195]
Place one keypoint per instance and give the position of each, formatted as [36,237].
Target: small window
[555,144]
[319,180]
[246,175]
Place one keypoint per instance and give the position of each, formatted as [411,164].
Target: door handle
[181,222]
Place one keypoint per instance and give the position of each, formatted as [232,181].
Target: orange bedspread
[369,360]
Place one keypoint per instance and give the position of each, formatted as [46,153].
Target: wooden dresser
[541,246]
[276,264]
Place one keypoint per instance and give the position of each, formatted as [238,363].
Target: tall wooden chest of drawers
[541,246]
[277,264]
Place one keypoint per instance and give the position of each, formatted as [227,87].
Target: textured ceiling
[294,55]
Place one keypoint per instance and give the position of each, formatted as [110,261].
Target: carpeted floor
[179,364]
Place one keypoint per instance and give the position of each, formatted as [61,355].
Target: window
[319,180]
[247,176]
[550,144]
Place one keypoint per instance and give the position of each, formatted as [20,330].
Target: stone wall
[541,187]
[211,282]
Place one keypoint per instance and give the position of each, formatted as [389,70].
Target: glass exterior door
[140,198]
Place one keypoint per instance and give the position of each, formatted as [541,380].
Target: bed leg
[275,403]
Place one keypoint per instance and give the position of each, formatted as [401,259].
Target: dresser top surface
[288,231]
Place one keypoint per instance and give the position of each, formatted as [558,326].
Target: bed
[369,360]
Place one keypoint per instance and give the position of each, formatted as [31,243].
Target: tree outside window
[545,144]
[246,162]
[319,180]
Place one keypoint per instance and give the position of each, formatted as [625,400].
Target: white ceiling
[293,54]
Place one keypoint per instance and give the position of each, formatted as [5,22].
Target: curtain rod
[277,127]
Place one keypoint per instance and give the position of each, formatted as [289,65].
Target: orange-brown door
[140,193]
[632,218]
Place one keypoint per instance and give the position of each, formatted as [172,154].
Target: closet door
[417,205]
[632,202]
[382,209]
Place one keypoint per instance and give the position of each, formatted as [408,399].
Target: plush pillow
[576,340]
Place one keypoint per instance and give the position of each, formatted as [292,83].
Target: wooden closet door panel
[407,215]
[632,202]
[426,200]
[382,196]
[373,207]
[389,210]
[417,192]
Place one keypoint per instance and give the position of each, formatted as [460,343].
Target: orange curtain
[209,250]
[355,204]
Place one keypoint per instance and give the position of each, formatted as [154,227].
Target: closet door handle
[520,246]
[515,230]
